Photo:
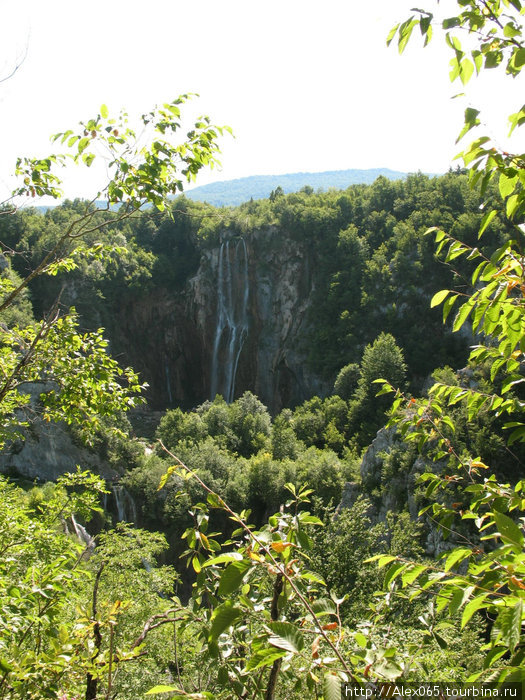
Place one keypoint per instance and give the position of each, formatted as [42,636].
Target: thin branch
[92,681]
[163,619]
[274,614]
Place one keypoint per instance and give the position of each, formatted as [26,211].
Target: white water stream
[83,535]
[126,509]
[233,292]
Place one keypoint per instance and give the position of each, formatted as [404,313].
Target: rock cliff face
[47,450]
[395,490]
[240,324]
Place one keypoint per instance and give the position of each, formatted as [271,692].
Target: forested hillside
[240,190]
[303,419]
[345,265]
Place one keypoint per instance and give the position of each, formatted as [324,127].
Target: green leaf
[518,58]
[164,478]
[310,519]
[442,643]
[509,531]
[439,297]
[264,657]
[324,606]
[466,69]
[412,574]
[509,625]
[313,577]
[460,597]
[393,572]
[104,111]
[517,434]
[222,618]
[462,315]
[332,686]
[361,640]
[404,33]
[471,120]
[485,221]
[507,184]
[382,560]
[5,666]
[82,144]
[510,30]
[512,205]
[391,34]
[286,636]
[450,22]
[223,558]
[232,577]
[471,607]
[447,306]
[456,556]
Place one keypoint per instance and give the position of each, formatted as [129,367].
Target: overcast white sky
[305,85]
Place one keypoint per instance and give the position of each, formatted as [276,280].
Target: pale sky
[305,85]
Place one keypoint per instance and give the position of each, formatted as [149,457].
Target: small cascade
[125,505]
[126,512]
[232,317]
[83,535]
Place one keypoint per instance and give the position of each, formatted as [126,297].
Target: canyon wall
[240,323]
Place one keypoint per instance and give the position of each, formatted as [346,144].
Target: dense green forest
[370,533]
[373,268]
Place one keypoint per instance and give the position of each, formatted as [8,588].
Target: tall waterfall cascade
[126,509]
[233,293]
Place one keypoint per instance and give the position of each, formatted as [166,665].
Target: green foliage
[242,427]
[75,617]
[79,382]
[321,422]
[383,358]
[346,381]
[271,596]
[41,577]
[284,441]
[486,573]
[20,313]
[254,601]
[342,550]
[61,632]
[145,169]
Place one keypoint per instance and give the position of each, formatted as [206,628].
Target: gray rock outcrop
[47,450]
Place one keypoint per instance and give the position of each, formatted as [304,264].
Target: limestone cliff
[47,450]
[240,323]
[389,473]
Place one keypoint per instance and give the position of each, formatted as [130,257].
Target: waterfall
[127,512]
[232,317]
[126,509]
[83,535]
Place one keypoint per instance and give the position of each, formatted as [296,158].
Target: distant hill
[234,192]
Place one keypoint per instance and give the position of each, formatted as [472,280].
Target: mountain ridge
[238,190]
